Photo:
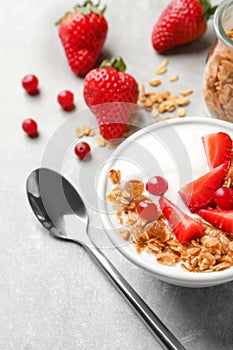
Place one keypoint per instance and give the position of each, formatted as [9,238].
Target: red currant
[82,149]
[224,198]
[157,185]
[147,210]
[30,83]
[30,127]
[66,100]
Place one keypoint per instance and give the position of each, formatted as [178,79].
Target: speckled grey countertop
[52,296]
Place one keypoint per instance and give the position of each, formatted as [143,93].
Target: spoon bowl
[57,205]
[60,209]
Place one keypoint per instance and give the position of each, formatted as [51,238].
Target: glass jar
[218,76]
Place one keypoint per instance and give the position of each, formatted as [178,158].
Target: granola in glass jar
[218,77]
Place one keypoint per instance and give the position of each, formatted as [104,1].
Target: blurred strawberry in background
[182,22]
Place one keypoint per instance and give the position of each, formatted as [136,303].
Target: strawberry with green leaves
[111,94]
[83,33]
[181,22]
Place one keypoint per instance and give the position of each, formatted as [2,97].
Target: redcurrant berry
[30,84]
[224,198]
[66,100]
[30,127]
[82,149]
[147,210]
[157,185]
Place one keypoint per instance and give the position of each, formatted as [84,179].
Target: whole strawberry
[181,22]
[108,84]
[83,34]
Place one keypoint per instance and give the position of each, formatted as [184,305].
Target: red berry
[157,185]
[30,127]
[30,83]
[147,210]
[66,100]
[224,198]
[82,149]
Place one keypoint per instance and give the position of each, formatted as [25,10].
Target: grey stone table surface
[52,296]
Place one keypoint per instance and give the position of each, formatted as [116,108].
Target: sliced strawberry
[230,171]
[218,148]
[198,193]
[184,227]
[222,219]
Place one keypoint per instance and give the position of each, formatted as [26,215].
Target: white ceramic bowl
[174,150]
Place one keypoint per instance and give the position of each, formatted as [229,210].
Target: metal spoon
[60,209]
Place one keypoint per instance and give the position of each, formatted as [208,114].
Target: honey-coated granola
[212,252]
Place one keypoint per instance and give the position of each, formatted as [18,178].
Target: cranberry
[66,100]
[147,210]
[82,149]
[224,198]
[30,127]
[30,84]
[157,185]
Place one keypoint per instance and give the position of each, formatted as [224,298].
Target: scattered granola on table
[213,251]
[158,102]
[84,130]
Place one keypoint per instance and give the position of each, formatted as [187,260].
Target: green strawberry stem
[61,19]
[208,10]
[117,63]
[85,10]
[89,7]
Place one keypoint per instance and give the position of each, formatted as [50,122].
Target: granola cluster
[212,252]
[218,86]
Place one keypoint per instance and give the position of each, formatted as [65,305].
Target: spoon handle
[164,336]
